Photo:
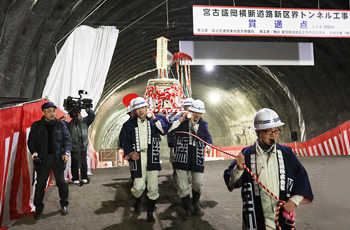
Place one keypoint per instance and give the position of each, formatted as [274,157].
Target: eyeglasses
[269,132]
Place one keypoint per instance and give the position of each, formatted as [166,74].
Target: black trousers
[43,176]
[75,165]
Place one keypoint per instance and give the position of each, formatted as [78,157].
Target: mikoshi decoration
[165,95]
[184,72]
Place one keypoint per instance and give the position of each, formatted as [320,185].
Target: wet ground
[106,203]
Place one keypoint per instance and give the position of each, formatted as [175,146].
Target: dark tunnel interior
[310,99]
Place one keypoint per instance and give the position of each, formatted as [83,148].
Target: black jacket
[37,141]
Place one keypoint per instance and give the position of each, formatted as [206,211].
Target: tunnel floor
[106,203]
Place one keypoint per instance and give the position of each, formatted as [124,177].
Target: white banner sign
[280,22]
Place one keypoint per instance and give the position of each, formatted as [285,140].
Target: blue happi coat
[122,132]
[131,144]
[189,151]
[294,180]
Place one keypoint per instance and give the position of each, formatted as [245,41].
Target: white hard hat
[131,104]
[188,101]
[197,106]
[128,110]
[266,119]
[139,102]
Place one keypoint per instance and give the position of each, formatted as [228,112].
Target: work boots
[196,203]
[150,208]
[186,204]
[39,212]
[138,205]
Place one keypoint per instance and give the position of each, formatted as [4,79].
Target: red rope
[164,95]
[280,202]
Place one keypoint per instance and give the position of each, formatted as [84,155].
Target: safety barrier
[111,158]
[332,143]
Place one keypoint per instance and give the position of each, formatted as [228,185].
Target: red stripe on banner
[9,139]
[336,144]
[320,147]
[7,158]
[93,155]
[331,147]
[346,140]
[310,151]
[305,152]
[297,152]
[342,143]
[325,144]
[16,173]
[14,214]
[301,153]
[25,186]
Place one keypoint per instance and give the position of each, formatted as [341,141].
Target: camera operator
[49,143]
[78,128]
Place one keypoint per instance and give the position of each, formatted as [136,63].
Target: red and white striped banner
[332,143]
[15,179]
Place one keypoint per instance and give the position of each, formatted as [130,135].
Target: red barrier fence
[332,143]
[14,165]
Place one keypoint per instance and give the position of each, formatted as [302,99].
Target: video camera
[73,105]
[37,160]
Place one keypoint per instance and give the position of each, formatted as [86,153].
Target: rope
[280,202]
[166,111]
[166,94]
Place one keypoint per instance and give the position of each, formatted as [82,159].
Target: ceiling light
[214,97]
[209,67]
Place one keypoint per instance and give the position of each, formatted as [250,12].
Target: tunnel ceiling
[30,30]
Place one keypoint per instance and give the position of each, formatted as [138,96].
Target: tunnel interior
[311,100]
